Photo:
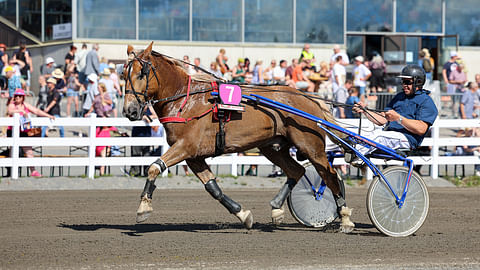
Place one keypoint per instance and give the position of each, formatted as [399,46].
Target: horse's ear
[129,49]
[148,50]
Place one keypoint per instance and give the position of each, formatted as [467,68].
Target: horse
[185,105]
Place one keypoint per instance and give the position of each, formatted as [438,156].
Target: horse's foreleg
[292,169]
[202,171]
[170,158]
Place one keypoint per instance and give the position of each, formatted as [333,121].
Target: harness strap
[176,119]
[186,98]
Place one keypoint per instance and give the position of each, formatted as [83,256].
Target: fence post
[234,164]
[435,151]
[92,132]
[15,146]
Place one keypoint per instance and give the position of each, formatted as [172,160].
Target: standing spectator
[214,69]
[13,80]
[247,65]
[47,69]
[426,62]
[470,101]
[457,78]
[61,85]
[80,61]
[112,89]
[221,60]
[361,74]
[23,55]
[339,74]
[70,57]
[92,91]
[103,64]
[279,72]
[92,65]
[238,71]
[114,77]
[102,103]
[73,89]
[142,150]
[337,52]
[352,100]
[308,57]
[16,64]
[340,96]
[53,101]
[42,93]
[378,69]
[101,151]
[3,56]
[301,81]
[268,72]
[18,105]
[258,72]
[448,67]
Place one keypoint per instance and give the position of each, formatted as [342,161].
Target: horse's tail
[327,115]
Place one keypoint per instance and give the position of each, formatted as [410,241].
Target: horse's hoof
[348,228]
[246,218]
[141,217]
[144,210]
[278,214]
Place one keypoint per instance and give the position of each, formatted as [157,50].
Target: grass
[226,176]
[468,181]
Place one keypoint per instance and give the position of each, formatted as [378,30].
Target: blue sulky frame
[349,142]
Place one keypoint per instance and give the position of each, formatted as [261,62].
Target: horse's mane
[199,76]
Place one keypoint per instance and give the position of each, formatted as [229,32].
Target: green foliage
[468,181]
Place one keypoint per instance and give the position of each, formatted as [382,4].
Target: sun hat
[52,80]
[106,72]
[92,77]
[9,68]
[57,73]
[49,60]
[241,60]
[19,92]
[359,58]
[112,66]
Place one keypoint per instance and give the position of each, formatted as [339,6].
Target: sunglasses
[407,82]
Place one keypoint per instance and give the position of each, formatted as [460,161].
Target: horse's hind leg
[203,172]
[292,169]
[313,147]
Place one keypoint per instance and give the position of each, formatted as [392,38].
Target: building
[395,29]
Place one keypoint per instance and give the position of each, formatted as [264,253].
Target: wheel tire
[383,210]
[303,205]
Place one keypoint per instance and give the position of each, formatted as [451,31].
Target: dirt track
[96,229]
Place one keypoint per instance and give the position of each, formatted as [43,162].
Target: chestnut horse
[184,105]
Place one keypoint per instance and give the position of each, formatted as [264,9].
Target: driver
[408,116]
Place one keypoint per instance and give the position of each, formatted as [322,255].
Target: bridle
[147,66]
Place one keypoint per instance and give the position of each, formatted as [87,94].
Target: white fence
[436,141]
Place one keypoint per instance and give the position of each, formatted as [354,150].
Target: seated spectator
[268,72]
[47,69]
[301,81]
[112,89]
[61,85]
[102,103]
[258,72]
[3,56]
[16,64]
[238,71]
[18,105]
[102,151]
[214,70]
[53,104]
[42,93]
[279,72]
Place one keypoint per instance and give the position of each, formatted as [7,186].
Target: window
[217,20]
[370,15]
[394,52]
[419,16]
[463,18]
[58,19]
[8,10]
[319,21]
[31,17]
[268,21]
[163,19]
[106,19]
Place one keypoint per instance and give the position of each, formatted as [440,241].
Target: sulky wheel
[309,209]
[383,209]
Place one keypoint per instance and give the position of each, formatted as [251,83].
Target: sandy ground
[92,229]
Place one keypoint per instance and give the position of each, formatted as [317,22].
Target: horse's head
[137,88]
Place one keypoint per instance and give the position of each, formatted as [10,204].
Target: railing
[435,142]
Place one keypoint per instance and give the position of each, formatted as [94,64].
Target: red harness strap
[178,119]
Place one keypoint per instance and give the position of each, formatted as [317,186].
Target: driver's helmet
[414,72]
